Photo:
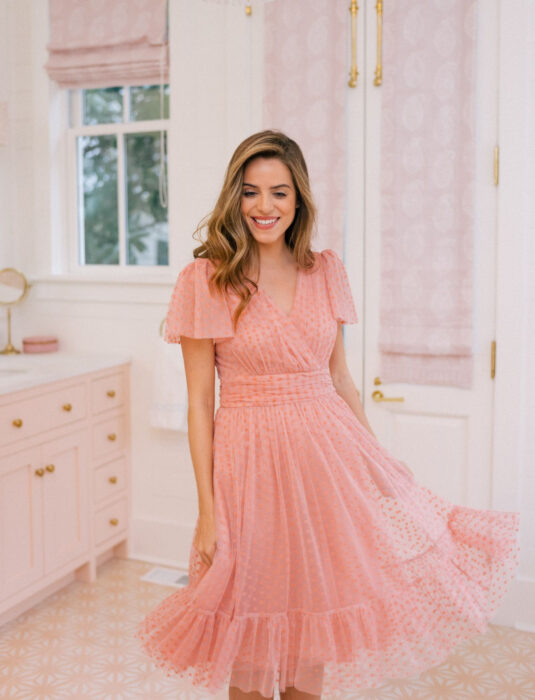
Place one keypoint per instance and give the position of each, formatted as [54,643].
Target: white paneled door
[443,433]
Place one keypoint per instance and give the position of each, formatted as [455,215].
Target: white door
[444,434]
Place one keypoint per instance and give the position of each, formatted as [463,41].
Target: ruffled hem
[431,603]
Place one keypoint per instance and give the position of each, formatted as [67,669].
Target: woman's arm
[343,381]
[199,364]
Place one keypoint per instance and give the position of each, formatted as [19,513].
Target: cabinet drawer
[107,392]
[110,479]
[109,436]
[41,413]
[111,520]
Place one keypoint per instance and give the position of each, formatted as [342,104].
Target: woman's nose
[265,203]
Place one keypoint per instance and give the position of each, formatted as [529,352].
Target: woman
[318,563]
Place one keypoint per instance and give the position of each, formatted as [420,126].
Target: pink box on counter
[40,343]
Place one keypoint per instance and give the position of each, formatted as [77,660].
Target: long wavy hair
[228,242]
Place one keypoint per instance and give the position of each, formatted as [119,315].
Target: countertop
[27,370]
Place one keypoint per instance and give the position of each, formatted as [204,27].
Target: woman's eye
[246,194]
[280,194]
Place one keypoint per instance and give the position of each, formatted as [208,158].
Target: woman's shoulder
[329,255]
[198,264]
[327,259]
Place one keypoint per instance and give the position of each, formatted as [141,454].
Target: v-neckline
[295,299]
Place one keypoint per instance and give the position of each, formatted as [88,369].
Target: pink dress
[334,569]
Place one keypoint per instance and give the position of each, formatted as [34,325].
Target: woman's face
[268,198]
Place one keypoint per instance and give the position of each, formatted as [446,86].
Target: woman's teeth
[265,223]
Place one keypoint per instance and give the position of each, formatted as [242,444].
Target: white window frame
[73,214]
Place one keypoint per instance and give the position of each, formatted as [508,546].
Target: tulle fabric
[195,310]
[334,570]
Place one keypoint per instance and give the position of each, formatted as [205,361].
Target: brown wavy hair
[229,244]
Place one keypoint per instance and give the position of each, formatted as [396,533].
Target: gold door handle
[17,422]
[112,479]
[112,437]
[111,393]
[39,472]
[378,79]
[114,521]
[379,396]
[50,467]
[67,407]
[353,72]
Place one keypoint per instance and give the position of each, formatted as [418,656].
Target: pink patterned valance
[105,43]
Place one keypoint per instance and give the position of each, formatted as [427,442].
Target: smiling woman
[318,563]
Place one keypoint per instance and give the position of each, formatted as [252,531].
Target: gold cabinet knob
[114,521]
[112,479]
[50,467]
[17,422]
[67,407]
[39,472]
[379,396]
[111,393]
[112,437]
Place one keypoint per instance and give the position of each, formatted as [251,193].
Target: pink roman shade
[305,82]
[104,43]
[427,192]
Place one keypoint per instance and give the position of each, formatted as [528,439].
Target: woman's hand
[205,539]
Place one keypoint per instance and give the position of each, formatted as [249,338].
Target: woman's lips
[265,222]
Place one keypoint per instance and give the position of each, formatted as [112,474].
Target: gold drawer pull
[67,407]
[112,479]
[111,393]
[112,437]
[379,396]
[17,422]
[39,472]
[50,467]
[114,521]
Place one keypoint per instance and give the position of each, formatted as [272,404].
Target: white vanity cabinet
[64,472]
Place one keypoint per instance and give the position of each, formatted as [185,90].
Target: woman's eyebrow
[275,187]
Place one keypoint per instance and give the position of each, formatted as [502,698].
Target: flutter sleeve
[339,290]
[194,311]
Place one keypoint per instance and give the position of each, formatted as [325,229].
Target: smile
[265,223]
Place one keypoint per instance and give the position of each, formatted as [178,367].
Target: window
[119,144]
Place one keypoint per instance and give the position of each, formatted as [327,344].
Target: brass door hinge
[496,164]
[493,359]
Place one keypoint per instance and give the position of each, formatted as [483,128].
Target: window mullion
[79,180]
[126,104]
[121,197]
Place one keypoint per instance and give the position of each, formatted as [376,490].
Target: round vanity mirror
[13,288]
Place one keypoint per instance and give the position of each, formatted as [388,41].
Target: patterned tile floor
[78,644]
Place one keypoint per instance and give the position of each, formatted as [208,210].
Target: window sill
[102,288]
[164,279]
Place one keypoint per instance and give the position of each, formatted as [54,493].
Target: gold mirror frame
[9,348]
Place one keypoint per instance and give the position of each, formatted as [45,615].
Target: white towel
[169,407]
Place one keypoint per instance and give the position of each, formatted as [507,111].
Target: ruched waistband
[269,389]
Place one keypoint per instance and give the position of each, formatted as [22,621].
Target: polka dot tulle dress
[334,569]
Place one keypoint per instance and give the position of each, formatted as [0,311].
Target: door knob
[39,471]
[50,467]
